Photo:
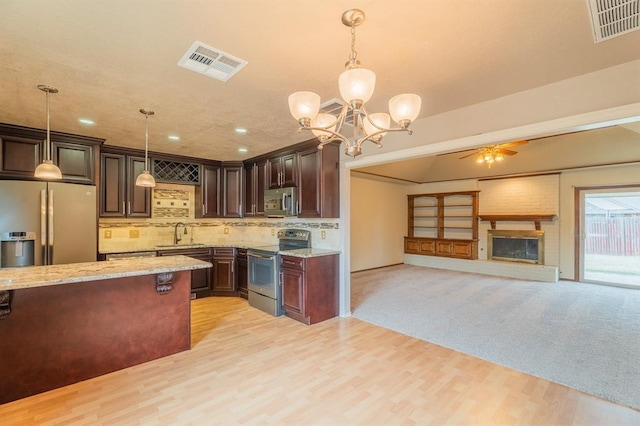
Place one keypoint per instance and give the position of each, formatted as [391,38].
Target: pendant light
[145,179]
[46,169]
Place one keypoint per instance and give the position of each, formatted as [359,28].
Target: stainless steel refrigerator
[62,215]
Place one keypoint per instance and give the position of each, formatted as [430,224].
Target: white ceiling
[109,58]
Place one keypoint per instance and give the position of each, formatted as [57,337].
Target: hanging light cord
[146,140]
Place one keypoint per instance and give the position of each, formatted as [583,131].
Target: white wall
[378,222]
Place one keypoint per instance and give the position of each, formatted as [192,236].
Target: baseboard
[377,267]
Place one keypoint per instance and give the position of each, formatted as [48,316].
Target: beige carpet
[584,336]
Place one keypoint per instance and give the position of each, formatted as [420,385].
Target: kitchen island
[62,324]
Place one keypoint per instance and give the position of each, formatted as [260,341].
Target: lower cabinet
[309,287]
[224,271]
[242,272]
[201,279]
[462,249]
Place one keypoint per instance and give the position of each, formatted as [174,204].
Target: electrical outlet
[273,231]
[323,234]
[226,230]
[134,233]
[107,234]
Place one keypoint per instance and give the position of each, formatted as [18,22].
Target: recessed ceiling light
[241,130]
[243,150]
[86,121]
[174,138]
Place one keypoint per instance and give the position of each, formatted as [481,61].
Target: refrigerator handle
[50,225]
[43,226]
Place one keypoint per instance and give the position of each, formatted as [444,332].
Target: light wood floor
[247,367]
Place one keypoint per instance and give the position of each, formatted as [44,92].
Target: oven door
[263,273]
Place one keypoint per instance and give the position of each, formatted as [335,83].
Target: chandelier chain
[354,53]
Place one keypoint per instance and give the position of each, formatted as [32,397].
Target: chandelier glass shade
[145,179]
[47,170]
[356,85]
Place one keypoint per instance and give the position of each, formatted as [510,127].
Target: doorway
[609,248]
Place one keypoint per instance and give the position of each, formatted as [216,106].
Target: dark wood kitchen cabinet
[224,272]
[255,185]
[201,279]
[119,195]
[22,149]
[208,192]
[220,191]
[242,272]
[310,287]
[319,182]
[232,192]
[282,171]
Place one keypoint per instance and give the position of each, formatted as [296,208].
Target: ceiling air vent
[333,107]
[612,18]
[211,62]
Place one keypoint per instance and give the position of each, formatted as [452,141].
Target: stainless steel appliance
[62,215]
[263,265]
[281,202]
[17,249]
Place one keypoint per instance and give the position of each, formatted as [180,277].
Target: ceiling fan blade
[510,144]
[506,151]
[469,155]
[456,152]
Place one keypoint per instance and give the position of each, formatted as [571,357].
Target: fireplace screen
[516,246]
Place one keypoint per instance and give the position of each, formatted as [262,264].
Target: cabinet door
[232,194]
[261,178]
[249,190]
[19,157]
[138,198]
[112,185]
[208,200]
[224,282]
[242,273]
[274,172]
[309,183]
[288,166]
[293,291]
[201,279]
[75,161]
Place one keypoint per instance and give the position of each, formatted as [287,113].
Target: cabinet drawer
[224,251]
[292,262]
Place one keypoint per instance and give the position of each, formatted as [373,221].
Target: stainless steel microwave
[281,202]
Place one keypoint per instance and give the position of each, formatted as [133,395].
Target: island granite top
[40,276]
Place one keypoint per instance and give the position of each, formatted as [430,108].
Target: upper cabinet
[22,149]
[220,191]
[319,182]
[282,171]
[255,184]
[119,195]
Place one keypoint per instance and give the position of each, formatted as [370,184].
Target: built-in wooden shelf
[535,218]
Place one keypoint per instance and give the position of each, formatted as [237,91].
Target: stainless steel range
[263,263]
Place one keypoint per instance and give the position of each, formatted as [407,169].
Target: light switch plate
[107,234]
[323,234]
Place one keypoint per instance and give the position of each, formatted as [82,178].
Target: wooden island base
[62,334]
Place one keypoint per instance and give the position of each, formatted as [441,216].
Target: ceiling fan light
[381,119]
[480,159]
[326,121]
[304,105]
[47,170]
[499,156]
[357,84]
[405,108]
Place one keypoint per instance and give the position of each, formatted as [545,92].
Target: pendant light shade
[145,179]
[47,170]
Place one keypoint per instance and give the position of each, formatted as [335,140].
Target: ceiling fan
[494,153]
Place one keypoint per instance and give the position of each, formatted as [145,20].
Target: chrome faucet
[176,236]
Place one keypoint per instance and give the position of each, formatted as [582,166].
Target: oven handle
[260,256]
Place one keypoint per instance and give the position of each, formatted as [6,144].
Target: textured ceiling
[109,58]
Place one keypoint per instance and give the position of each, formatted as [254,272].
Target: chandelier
[356,86]
[145,179]
[47,169]
[489,155]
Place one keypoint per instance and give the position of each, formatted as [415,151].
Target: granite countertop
[40,276]
[309,252]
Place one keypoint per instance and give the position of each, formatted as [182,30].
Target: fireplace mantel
[535,218]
